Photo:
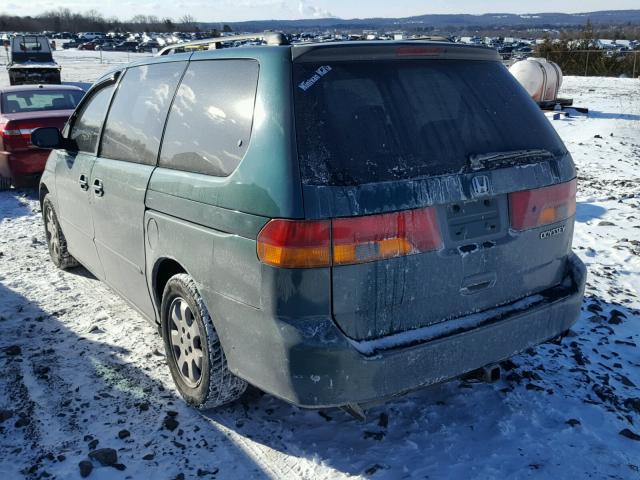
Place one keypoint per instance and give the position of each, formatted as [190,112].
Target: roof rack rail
[270,38]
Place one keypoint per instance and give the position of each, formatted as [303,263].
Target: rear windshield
[37,101]
[365,122]
[31,48]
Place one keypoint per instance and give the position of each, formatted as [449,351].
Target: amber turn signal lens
[376,237]
[295,243]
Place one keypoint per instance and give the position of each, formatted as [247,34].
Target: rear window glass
[365,122]
[25,48]
[30,44]
[40,100]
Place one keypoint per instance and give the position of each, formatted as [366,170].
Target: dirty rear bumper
[34,75]
[310,362]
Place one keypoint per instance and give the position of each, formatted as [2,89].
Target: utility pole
[586,65]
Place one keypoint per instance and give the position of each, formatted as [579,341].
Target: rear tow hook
[491,373]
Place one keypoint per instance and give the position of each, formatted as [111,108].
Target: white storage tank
[541,78]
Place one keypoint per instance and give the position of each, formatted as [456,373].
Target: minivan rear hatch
[409,127]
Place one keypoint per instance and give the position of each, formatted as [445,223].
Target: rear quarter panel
[248,301]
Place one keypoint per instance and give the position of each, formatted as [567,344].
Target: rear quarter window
[365,122]
[210,121]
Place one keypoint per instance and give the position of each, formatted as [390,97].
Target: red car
[22,109]
[87,46]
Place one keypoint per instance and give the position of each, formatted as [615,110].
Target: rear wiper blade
[478,161]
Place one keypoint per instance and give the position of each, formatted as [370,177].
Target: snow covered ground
[82,371]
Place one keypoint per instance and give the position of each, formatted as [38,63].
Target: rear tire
[194,353]
[5,183]
[56,242]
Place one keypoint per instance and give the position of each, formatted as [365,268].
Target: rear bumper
[25,163]
[310,362]
[34,75]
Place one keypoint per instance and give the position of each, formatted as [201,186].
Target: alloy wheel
[186,340]
[53,238]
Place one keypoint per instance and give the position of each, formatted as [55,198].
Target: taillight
[295,243]
[376,237]
[16,136]
[542,206]
[343,241]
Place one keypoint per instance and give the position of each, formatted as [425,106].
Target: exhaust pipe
[487,374]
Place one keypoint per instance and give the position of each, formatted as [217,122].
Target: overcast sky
[237,10]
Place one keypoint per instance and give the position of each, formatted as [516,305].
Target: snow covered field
[82,371]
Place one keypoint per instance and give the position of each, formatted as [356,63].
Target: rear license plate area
[474,220]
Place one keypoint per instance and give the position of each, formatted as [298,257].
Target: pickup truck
[31,61]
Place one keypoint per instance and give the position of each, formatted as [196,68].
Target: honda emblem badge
[480,185]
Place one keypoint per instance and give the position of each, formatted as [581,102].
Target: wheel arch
[163,269]
[43,191]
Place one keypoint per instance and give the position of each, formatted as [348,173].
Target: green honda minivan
[333,223]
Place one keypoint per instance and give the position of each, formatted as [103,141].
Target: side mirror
[46,137]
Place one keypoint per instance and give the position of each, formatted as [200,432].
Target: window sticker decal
[319,73]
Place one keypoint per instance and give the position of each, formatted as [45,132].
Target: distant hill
[457,21]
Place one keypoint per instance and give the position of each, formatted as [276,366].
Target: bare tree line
[64,20]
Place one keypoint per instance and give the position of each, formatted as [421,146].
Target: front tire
[60,256]
[194,353]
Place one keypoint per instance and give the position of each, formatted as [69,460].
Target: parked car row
[119,42]
[125,46]
[114,46]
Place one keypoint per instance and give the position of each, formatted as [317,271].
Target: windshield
[364,122]
[36,101]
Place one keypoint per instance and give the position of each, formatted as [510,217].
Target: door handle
[477,283]
[84,185]
[97,187]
